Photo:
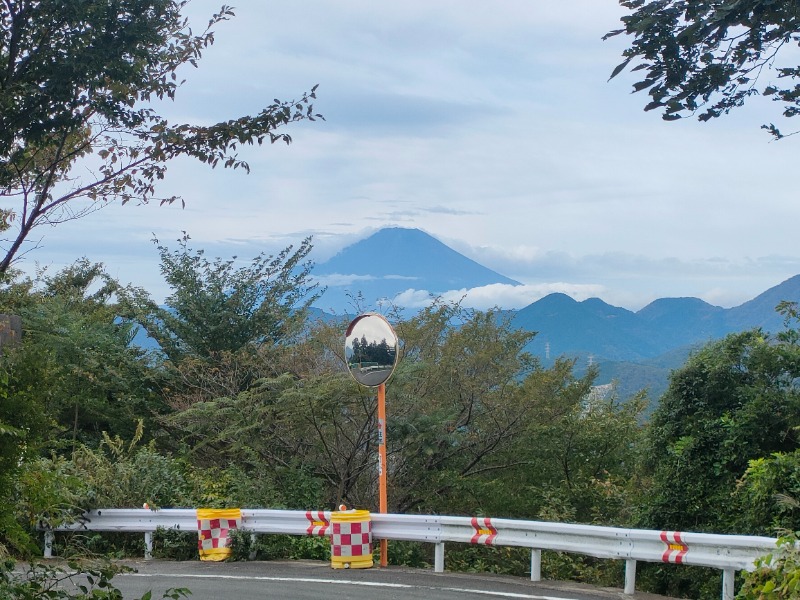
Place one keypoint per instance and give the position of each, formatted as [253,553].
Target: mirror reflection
[370,349]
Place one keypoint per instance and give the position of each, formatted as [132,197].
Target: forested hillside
[663,326]
[248,403]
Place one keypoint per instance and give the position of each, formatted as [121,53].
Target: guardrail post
[148,545]
[252,555]
[630,577]
[728,577]
[438,562]
[536,564]
[48,544]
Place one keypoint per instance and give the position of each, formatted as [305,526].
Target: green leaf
[611,34]
[619,68]
[642,85]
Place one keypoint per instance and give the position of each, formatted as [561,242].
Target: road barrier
[728,553]
[351,539]
[213,528]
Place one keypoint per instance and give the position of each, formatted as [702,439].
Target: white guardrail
[728,553]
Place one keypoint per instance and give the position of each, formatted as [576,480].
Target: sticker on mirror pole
[380,465]
[381,428]
[485,532]
[676,547]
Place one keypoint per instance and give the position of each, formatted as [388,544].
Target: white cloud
[340,280]
[488,125]
[498,295]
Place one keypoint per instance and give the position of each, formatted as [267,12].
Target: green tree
[72,376]
[477,425]
[777,575]
[22,426]
[705,57]
[216,307]
[456,402]
[76,362]
[734,401]
[77,79]
[268,434]
[580,454]
[450,410]
[223,328]
[766,495]
[301,430]
[474,424]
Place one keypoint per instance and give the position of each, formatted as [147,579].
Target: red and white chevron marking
[318,523]
[676,547]
[485,532]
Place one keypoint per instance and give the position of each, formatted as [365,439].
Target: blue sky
[490,125]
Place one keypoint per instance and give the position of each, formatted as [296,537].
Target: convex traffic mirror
[370,349]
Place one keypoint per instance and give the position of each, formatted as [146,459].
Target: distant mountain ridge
[566,326]
[638,349]
[394,260]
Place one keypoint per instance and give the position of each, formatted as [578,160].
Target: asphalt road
[309,580]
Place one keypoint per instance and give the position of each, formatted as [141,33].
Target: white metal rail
[728,553]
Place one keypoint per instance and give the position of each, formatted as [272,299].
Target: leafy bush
[517,562]
[277,547]
[777,575]
[767,494]
[49,492]
[679,581]
[242,544]
[121,474]
[56,490]
[78,581]
[93,544]
[174,544]
[488,559]
[410,554]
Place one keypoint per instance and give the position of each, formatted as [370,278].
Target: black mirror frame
[382,349]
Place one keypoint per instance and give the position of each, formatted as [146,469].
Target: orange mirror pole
[366,334]
[383,505]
